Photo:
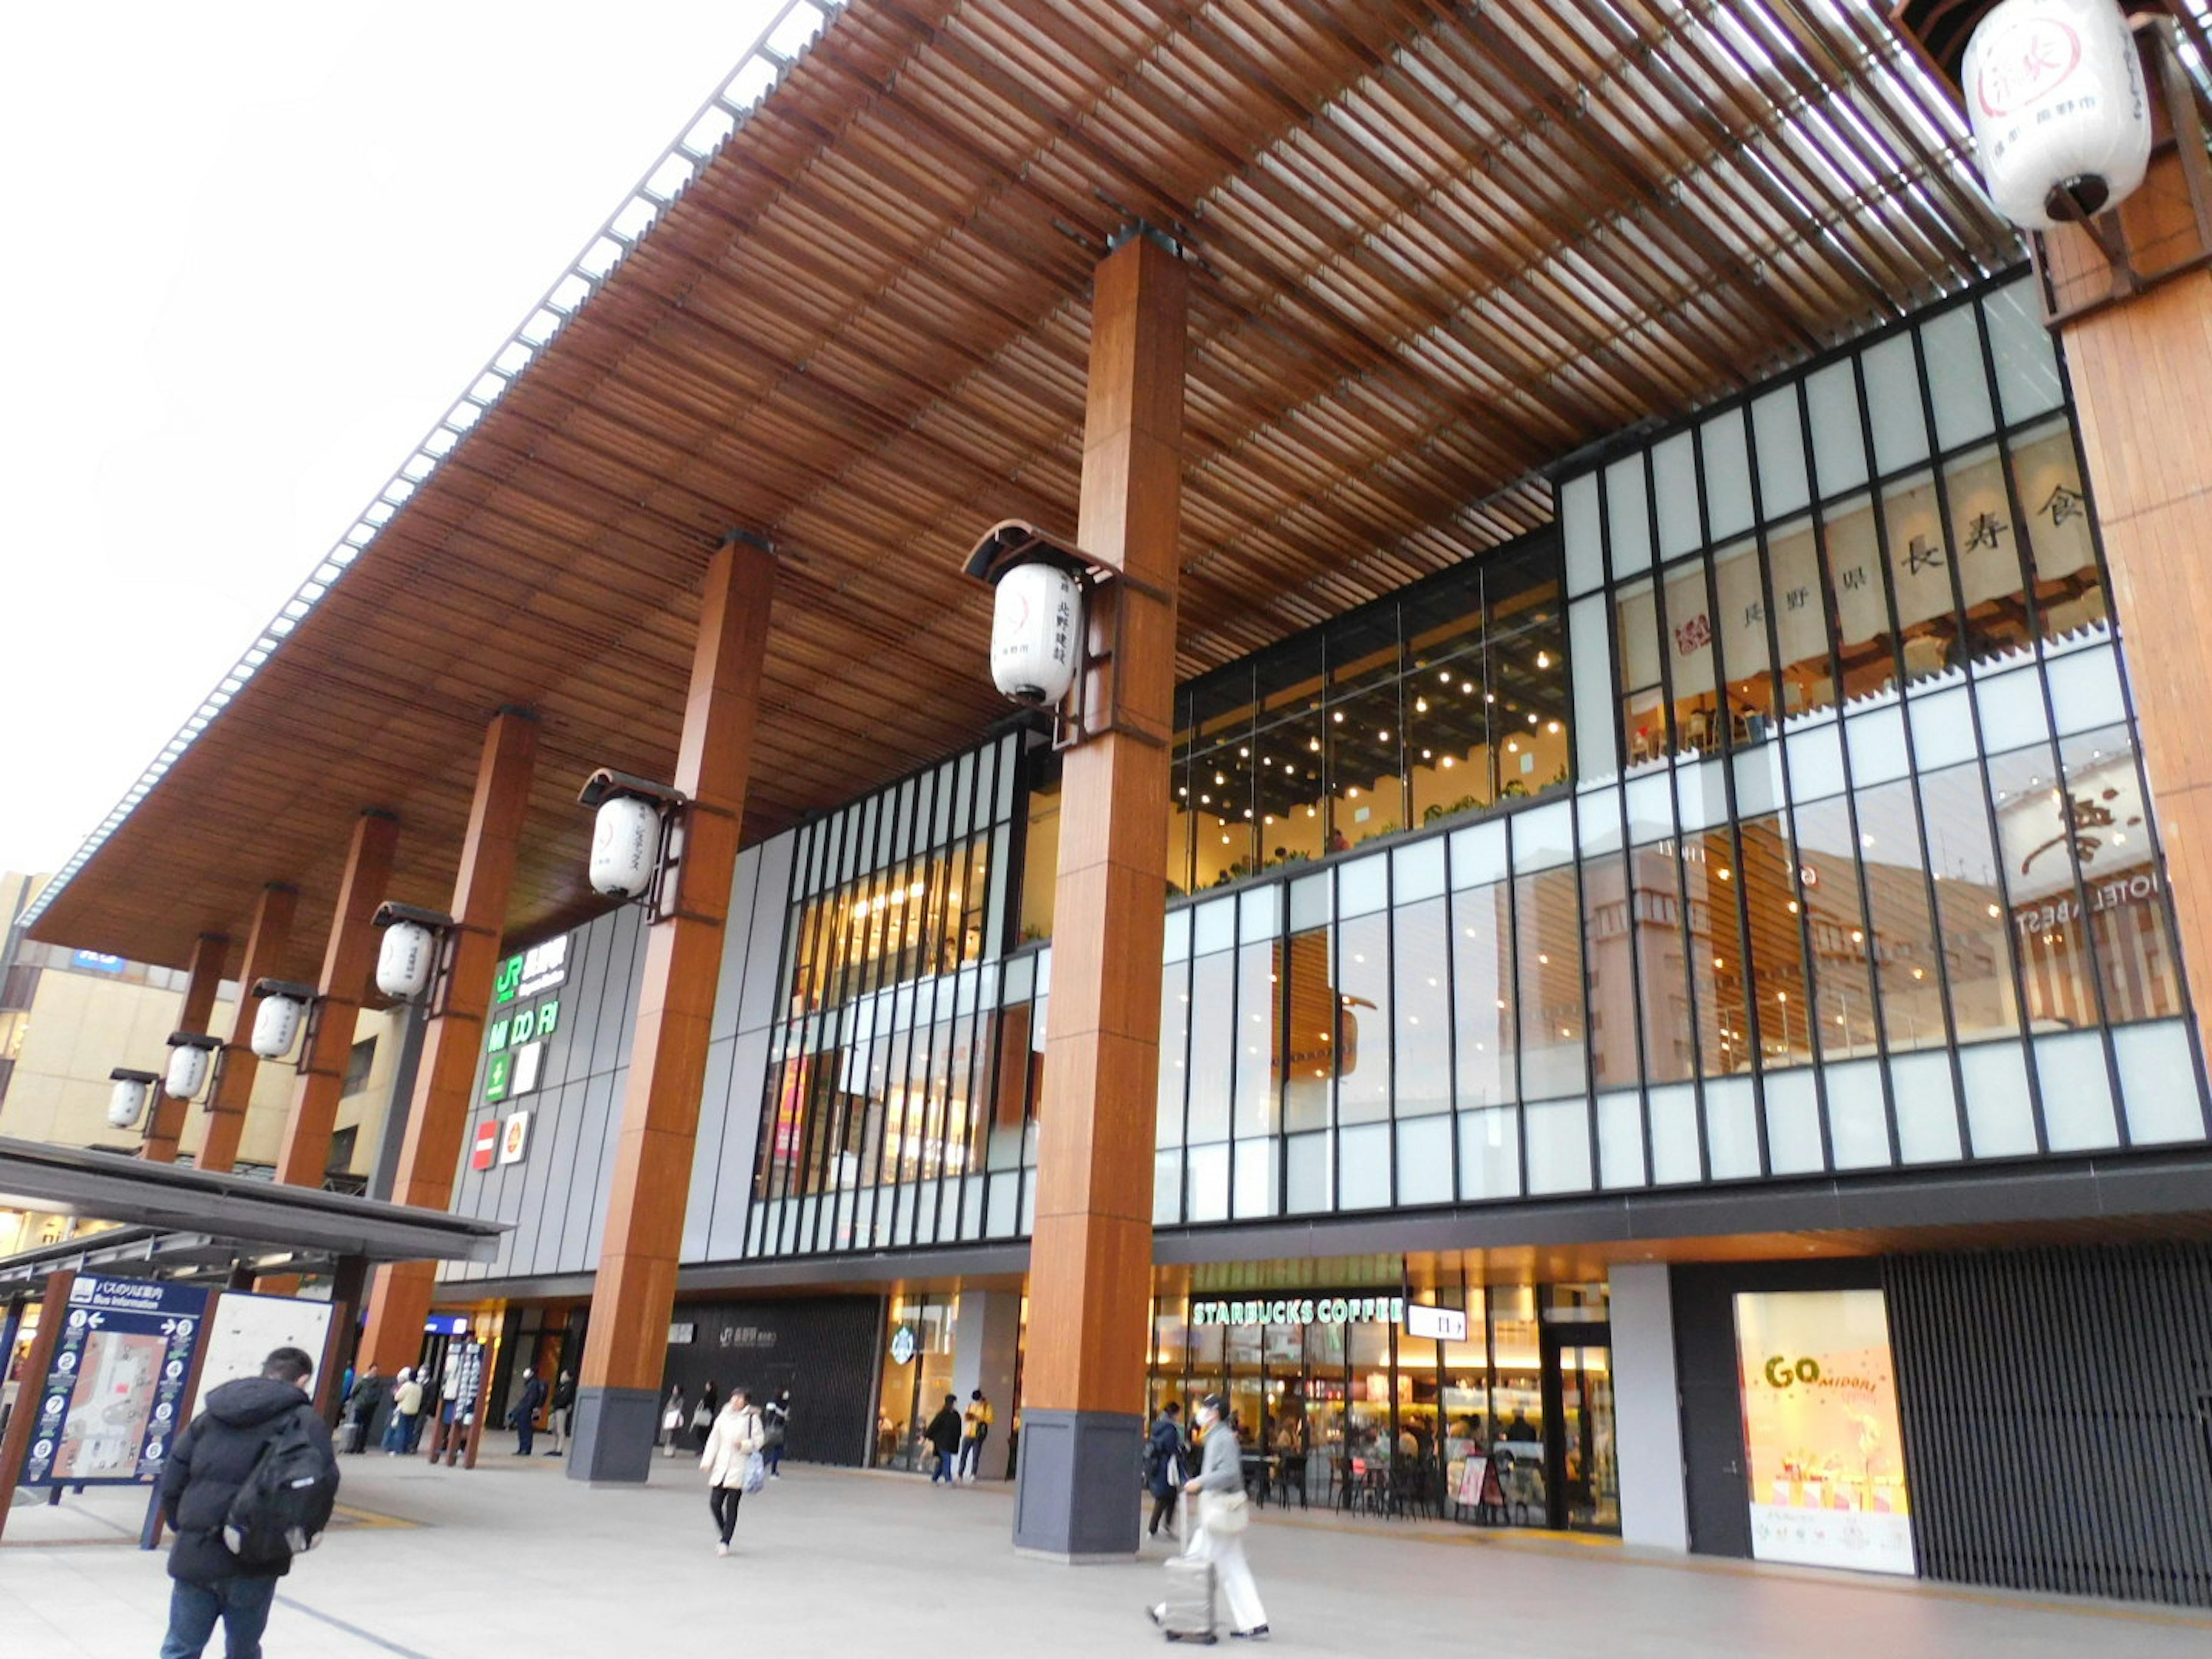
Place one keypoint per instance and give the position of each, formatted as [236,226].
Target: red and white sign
[486,1146]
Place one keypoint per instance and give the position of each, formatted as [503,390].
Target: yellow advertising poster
[1825,1455]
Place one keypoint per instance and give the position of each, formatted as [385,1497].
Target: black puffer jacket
[214,1457]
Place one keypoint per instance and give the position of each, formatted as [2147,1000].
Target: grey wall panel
[734,1184]
[706,1151]
[2057,1408]
[579,1244]
[771,899]
[599,1174]
[822,1348]
[617,992]
[555,1151]
[737,940]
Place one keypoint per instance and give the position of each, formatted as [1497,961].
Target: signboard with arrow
[113,1397]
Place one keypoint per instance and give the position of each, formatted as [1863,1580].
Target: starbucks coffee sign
[1300,1310]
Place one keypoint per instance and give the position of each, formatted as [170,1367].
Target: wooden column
[1083,1392]
[267,950]
[438,1115]
[165,1122]
[2142,384]
[348,957]
[618,1392]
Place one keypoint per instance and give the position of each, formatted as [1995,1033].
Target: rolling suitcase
[350,1434]
[1187,1614]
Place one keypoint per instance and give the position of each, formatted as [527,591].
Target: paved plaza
[513,1560]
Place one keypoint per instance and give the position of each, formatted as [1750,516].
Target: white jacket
[736,1436]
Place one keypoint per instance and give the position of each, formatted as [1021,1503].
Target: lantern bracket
[1013,542]
[2160,37]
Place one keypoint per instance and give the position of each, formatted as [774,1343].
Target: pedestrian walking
[777,1414]
[250,1482]
[732,1462]
[1165,1458]
[672,1419]
[1217,1531]
[406,1412]
[976,1427]
[702,1414]
[943,1437]
[357,1417]
[523,1420]
[561,1418]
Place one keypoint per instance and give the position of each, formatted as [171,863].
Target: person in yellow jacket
[975,1430]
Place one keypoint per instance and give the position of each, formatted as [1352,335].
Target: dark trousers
[971,1452]
[525,1430]
[774,1455]
[242,1605]
[1164,1508]
[723,1501]
[944,1469]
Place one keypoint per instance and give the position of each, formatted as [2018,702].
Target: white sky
[255,250]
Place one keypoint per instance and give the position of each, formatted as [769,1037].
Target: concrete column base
[616,1429]
[1076,1485]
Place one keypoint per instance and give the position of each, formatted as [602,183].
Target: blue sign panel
[447,1325]
[109,1407]
[97,963]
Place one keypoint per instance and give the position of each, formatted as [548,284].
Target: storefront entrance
[1582,1474]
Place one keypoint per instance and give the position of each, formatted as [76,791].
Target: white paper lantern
[1036,631]
[2055,95]
[188,1070]
[125,1101]
[404,959]
[625,846]
[276,1026]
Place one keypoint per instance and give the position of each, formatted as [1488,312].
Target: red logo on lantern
[2029,61]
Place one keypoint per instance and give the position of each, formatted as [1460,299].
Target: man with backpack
[247,1486]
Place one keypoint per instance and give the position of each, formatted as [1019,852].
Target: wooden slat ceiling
[1437,246]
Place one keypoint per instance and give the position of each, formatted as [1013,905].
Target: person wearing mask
[975,1429]
[1165,1458]
[736,1435]
[1221,1477]
[943,1437]
[777,1415]
[406,1412]
[562,1418]
[523,1420]
[212,1463]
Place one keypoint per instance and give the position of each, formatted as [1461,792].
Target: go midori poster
[1825,1455]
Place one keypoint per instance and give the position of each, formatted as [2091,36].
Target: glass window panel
[1793,1124]
[1800,621]
[1609,941]
[1628,517]
[1772,906]
[1310,1019]
[1543,837]
[1290,789]
[1478,855]
[1863,651]
[2000,1113]
[1255,1174]
[1832,401]
[1675,482]
[1907,968]
[1548,921]
[1987,550]
[1893,388]
[1650,805]
[1927,1109]
[1875,740]
[2027,363]
[1559,1146]
[1595,755]
[1816,762]
[1366,766]
[1213,926]
[1969,898]
[2085,690]
[1221,792]
[1687,626]
[2129,933]
[1731,1129]
[1363,885]
[1858,1127]
[1425,1161]
[1214,986]
[1312,901]
[1746,655]
[1957,383]
[1620,1138]
[1362,1042]
[1175,1030]
[1920,576]
[1653,935]
[1205,1184]
[1727,475]
[1490,1153]
[1842,1013]
[1363,1181]
[2041,824]
[2077,1092]
[1674,1142]
[1307,1171]
[2151,1057]
[1417,872]
[1643,694]
[1482,989]
[1718,983]
[1423,1006]
[2070,595]
[1776,431]
[1449,719]
[1582,533]
[1943,727]
[1258,1046]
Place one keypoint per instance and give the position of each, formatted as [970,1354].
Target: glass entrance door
[1582,1476]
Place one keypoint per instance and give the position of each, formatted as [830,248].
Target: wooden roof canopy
[1435,246]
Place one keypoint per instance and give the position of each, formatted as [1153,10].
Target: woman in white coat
[1220,1476]
[735,1437]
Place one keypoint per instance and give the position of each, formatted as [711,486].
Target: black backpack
[285,1502]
